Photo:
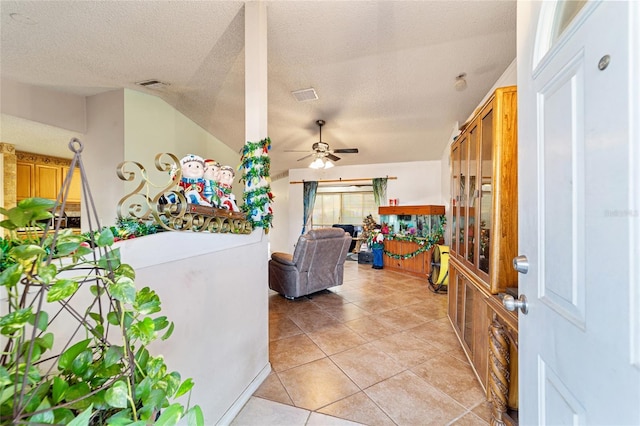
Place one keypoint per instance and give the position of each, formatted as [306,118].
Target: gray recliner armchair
[317,263]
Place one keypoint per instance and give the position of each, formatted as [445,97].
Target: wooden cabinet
[75,187]
[25,180]
[48,181]
[485,193]
[43,176]
[408,254]
[484,236]
[419,264]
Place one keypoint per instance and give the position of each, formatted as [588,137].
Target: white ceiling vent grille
[152,84]
[305,95]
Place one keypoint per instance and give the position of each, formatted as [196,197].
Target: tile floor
[378,350]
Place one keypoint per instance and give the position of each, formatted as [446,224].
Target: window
[343,205]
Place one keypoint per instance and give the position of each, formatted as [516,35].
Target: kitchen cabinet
[75,187]
[25,180]
[43,176]
[48,181]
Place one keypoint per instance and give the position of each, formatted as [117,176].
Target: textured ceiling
[383,70]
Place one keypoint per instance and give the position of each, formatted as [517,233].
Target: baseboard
[235,408]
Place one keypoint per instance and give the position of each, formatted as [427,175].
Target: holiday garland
[423,243]
[255,163]
[421,249]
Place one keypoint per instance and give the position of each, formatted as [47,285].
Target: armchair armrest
[284,258]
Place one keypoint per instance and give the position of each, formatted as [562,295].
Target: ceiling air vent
[305,95]
[152,84]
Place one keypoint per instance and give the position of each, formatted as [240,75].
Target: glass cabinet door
[455,195]
[471,231]
[460,303]
[463,188]
[467,332]
[486,190]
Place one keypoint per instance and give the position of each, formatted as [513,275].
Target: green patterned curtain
[308,199]
[380,190]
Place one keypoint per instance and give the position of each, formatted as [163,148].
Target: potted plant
[102,373]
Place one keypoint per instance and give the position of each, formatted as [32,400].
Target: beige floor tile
[407,349]
[459,354]
[261,412]
[346,312]
[469,419]
[281,327]
[327,299]
[336,339]
[429,310]
[483,410]
[370,328]
[359,325]
[367,365]
[409,400]
[439,336]
[277,303]
[300,305]
[273,390]
[313,320]
[358,408]
[292,352]
[406,298]
[317,384]
[375,305]
[355,294]
[318,419]
[401,318]
[453,377]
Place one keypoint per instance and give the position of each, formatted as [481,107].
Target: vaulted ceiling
[384,71]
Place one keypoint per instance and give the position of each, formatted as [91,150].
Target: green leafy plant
[102,373]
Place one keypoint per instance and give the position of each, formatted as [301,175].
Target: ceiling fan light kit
[320,163]
[323,154]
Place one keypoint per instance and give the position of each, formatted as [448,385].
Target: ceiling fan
[321,149]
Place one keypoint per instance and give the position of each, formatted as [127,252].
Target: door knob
[521,264]
[512,304]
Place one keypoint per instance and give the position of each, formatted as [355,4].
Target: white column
[255,65]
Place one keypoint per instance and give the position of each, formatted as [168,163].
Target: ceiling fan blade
[332,157]
[346,151]
[306,156]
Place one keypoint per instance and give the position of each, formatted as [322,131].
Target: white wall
[152,126]
[214,288]
[103,151]
[417,183]
[43,105]
[279,233]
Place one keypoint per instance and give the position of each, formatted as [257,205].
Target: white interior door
[579,344]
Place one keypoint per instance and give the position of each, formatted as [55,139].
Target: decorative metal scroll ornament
[180,215]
